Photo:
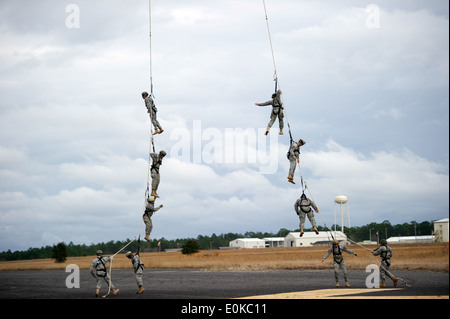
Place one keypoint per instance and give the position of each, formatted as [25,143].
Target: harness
[387,256]
[339,253]
[149,212]
[155,167]
[276,103]
[140,265]
[305,205]
[100,270]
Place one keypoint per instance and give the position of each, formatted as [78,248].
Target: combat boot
[267,131]
[281,131]
[154,193]
[160,131]
[147,238]
[337,284]
[395,280]
[383,285]
[301,232]
[315,229]
[290,179]
[156,132]
[141,290]
[347,284]
[115,291]
[97,292]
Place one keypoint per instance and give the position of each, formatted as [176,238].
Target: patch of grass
[428,257]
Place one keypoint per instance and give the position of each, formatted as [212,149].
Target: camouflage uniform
[385,252]
[149,210]
[293,155]
[303,207]
[151,110]
[154,171]
[99,271]
[338,261]
[138,268]
[277,111]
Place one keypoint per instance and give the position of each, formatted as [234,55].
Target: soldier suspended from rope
[152,110]
[277,111]
[154,170]
[147,217]
[293,156]
[303,208]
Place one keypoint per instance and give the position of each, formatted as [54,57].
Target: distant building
[441,230]
[293,239]
[248,243]
[274,241]
[411,239]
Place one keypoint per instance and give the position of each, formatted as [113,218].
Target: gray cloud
[372,105]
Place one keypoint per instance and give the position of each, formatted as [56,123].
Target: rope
[150,44]
[110,265]
[275,76]
[387,271]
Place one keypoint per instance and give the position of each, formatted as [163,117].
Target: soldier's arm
[377,251]
[348,251]
[265,103]
[296,207]
[314,206]
[327,254]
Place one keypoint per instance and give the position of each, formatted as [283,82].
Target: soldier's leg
[155,182]
[148,227]
[292,165]
[336,271]
[344,270]
[312,220]
[99,282]
[156,125]
[302,222]
[280,120]
[273,117]
[107,279]
[139,280]
[382,275]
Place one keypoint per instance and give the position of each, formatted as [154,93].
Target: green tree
[191,247]
[60,253]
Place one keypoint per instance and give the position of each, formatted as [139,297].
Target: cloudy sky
[365,85]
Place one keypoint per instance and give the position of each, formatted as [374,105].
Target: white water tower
[341,200]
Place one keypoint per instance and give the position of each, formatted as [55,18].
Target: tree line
[376,231]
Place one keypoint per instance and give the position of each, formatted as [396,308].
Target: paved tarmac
[197,284]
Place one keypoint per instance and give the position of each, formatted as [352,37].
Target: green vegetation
[376,230]
[59,253]
[191,247]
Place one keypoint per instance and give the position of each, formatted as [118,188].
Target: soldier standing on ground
[338,260]
[385,252]
[99,272]
[138,268]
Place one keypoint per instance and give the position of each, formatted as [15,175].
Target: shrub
[191,247]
